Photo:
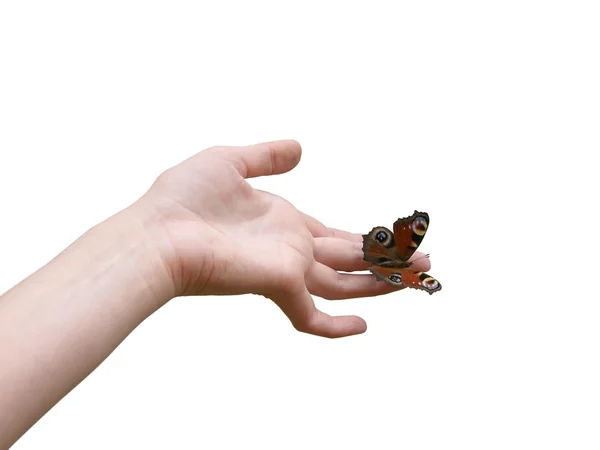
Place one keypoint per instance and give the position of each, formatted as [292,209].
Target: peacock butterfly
[390,253]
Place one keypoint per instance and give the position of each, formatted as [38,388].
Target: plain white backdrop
[484,114]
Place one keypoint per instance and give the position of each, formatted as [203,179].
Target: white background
[484,114]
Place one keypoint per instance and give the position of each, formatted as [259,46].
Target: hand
[227,238]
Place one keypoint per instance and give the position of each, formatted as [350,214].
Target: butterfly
[390,253]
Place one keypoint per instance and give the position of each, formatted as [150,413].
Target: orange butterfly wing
[379,246]
[390,253]
[406,277]
[409,233]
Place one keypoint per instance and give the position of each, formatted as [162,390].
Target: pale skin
[201,229]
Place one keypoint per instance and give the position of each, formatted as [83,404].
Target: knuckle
[163,178]
[329,294]
[272,158]
[288,278]
[304,325]
[300,326]
[213,149]
[340,286]
[334,288]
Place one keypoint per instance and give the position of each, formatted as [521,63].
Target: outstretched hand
[201,229]
[226,238]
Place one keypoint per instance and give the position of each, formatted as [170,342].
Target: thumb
[305,317]
[268,158]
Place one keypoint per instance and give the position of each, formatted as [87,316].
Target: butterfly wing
[409,232]
[390,253]
[406,277]
[379,246]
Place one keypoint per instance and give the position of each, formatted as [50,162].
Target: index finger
[318,229]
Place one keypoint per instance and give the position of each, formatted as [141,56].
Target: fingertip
[360,326]
[285,154]
[340,326]
[267,158]
[291,151]
[422,263]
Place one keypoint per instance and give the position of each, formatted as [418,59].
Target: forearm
[60,323]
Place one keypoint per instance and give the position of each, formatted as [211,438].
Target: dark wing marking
[406,278]
[409,232]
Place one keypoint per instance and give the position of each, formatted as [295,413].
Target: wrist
[139,233]
[183,241]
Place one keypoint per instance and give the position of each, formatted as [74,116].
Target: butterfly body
[390,253]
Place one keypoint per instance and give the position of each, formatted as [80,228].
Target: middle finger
[346,256]
[340,254]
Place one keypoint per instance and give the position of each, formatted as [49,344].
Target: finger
[332,285]
[347,256]
[324,325]
[305,317]
[268,158]
[317,229]
[421,262]
[340,254]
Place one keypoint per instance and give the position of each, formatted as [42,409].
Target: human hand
[226,238]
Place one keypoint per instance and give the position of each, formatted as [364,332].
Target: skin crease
[201,229]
